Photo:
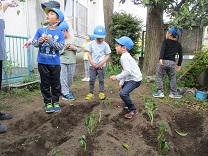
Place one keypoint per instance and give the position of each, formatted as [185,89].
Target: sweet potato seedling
[151,108]
[92,121]
[161,140]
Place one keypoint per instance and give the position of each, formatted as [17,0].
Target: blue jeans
[127,88]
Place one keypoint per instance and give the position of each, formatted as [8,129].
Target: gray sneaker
[3,128]
[4,116]
[159,94]
[175,95]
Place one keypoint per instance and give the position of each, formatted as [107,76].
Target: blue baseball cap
[125,41]
[57,11]
[63,26]
[174,31]
[99,32]
[92,37]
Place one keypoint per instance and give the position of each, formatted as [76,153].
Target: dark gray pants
[168,68]
[93,74]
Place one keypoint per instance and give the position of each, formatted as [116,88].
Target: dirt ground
[32,132]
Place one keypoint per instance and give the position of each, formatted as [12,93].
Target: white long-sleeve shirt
[130,69]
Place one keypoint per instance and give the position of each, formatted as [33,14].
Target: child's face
[52,17]
[168,34]
[119,48]
[87,38]
[99,40]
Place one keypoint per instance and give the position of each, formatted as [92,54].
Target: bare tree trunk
[108,12]
[154,37]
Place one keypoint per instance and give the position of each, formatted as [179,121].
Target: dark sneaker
[68,97]
[131,114]
[159,94]
[49,108]
[56,107]
[5,116]
[122,105]
[175,96]
[3,128]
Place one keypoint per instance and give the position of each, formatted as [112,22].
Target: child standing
[98,53]
[68,61]
[130,77]
[50,41]
[85,57]
[170,47]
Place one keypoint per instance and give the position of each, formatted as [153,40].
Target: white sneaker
[84,79]
[87,79]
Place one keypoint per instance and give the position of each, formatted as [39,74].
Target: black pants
[50,82]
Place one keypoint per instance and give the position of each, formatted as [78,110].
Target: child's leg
[88,69]
[172,77]
[45,82]
[55,82]
[127,88]
[93,74]
[64,79]
[72,68]
[85,67]
[101,73]
[160,74]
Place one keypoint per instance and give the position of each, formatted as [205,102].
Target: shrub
[124,24]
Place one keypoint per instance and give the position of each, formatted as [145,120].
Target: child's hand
[46,38]
[161,62]
[41,40]
[113,77]
[178,68]
[100,65]
[94,66]
[26,45]
[72,47]
[119,88]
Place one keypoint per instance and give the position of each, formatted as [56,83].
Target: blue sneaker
[159,94]
[49,108]
[5,116]
[175,95]
[3,128]
[68,97]
[56,107]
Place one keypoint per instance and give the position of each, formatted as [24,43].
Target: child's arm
[178,66]
[75,47]
[54,44]
[162,51]
[91,61]
[100,65]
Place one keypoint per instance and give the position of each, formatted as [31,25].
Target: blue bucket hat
[63,26]
[174,31]
[57,11]
[125,41]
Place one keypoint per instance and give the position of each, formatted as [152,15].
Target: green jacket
[69,56]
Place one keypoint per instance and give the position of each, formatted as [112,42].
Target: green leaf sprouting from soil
[181,134]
